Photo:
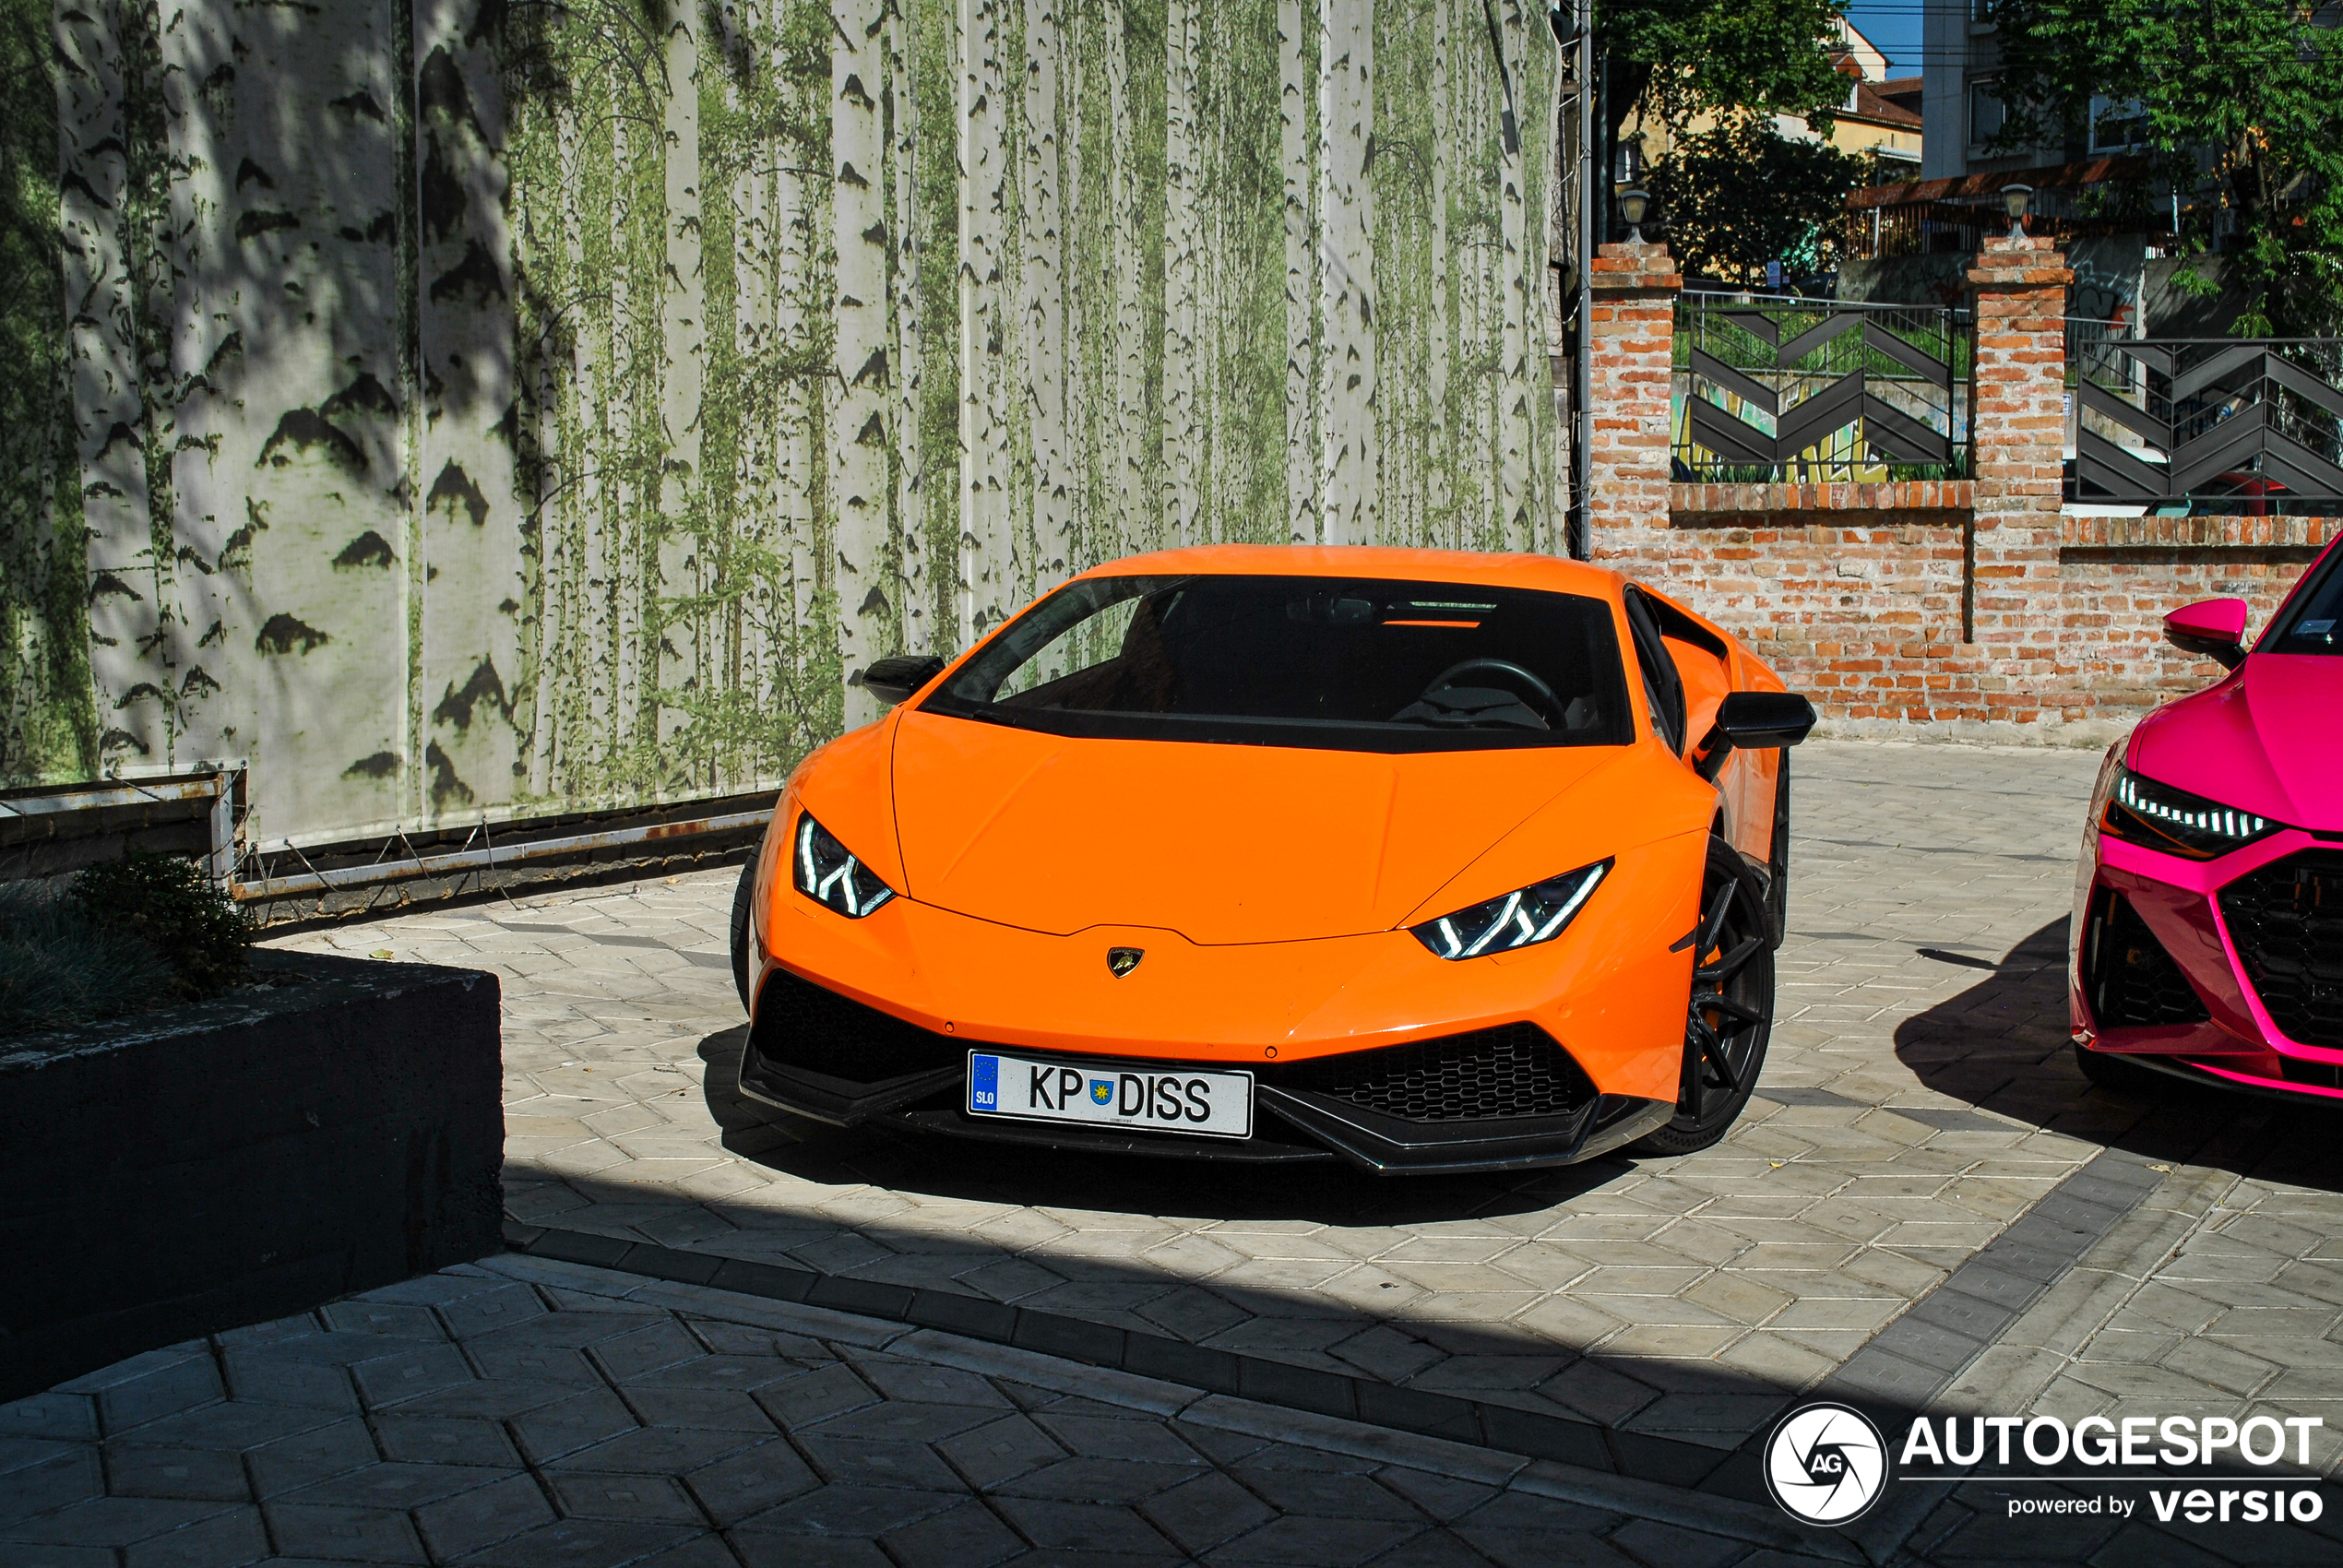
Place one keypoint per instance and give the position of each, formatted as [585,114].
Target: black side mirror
[894,680]
[1755,721]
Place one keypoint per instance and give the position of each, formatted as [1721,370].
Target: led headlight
[2156,816]
[828,874]
[1534,914]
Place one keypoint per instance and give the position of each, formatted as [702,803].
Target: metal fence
[2234,426]
[1774,389]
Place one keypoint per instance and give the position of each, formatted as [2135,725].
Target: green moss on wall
[935,243]
[1101,227]
[1240,181]
[48,711]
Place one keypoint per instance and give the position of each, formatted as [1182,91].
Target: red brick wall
[1975,608]
[2118,575]
[1634,317]
[2017,430]
[1862,610]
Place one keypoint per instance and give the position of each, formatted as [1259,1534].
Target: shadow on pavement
[2003,1046]
[2000,1045]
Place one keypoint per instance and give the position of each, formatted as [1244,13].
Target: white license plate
[1160,1099]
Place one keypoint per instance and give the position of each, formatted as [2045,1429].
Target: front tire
[1728,1015]
[743,897]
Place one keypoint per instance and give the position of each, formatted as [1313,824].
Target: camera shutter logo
[1825,1463]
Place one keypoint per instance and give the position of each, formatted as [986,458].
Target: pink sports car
[2208,937]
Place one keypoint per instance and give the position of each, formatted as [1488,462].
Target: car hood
[2264,740]
[1222,844]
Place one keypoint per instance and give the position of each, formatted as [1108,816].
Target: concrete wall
[193,1169]
[463,411]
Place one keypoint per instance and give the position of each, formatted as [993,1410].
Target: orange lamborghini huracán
[1425,861]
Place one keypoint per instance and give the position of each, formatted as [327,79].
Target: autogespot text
[2047,1448]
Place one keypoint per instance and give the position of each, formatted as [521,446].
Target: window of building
[2117,123]
[1985,113]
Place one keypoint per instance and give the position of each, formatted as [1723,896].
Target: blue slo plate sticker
[985,1083]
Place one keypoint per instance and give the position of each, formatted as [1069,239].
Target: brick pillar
[1633,349]
[2018,422]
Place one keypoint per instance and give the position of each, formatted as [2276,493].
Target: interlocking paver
[332,1533]
[1912,1107]
[1007,1469]
[567,1425]
[599,1130]
[969,1536]
[139,1470]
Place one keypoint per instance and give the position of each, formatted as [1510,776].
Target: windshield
[2317,617]
[1333,663]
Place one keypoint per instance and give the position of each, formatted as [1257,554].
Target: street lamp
[1633,204]
[2014,200]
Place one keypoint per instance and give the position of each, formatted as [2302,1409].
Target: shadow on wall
[2003,1046]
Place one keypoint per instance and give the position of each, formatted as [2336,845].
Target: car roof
[1523,571]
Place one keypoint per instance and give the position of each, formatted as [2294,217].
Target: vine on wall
[538,408]
[48,714]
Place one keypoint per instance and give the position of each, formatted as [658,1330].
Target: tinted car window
[2315,624]
[1325,662]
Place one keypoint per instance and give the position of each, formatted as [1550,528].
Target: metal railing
[1781,390]
[2248,426]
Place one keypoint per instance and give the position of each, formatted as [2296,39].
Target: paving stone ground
[534,1415]
[1918,1098]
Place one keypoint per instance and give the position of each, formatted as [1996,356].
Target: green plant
[1673,63]
[171,905]
[1742,195]
[59,968]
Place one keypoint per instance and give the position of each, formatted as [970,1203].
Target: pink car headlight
[2157,816]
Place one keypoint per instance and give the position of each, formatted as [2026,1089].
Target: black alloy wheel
[743,895]
[1730,1014]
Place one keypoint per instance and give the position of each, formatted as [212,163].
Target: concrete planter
[188,1170]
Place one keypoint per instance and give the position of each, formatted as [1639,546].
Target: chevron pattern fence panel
[1806,391]
[2209,425]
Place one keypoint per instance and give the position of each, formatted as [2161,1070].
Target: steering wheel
[1514,673]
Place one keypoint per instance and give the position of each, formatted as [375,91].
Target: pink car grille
[2286,920]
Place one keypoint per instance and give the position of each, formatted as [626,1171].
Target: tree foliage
[1675,59]
[1672,61]
[1742,195]
[2239,108]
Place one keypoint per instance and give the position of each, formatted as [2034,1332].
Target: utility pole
[1577,528]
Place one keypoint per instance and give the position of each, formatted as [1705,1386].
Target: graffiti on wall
[457,409]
